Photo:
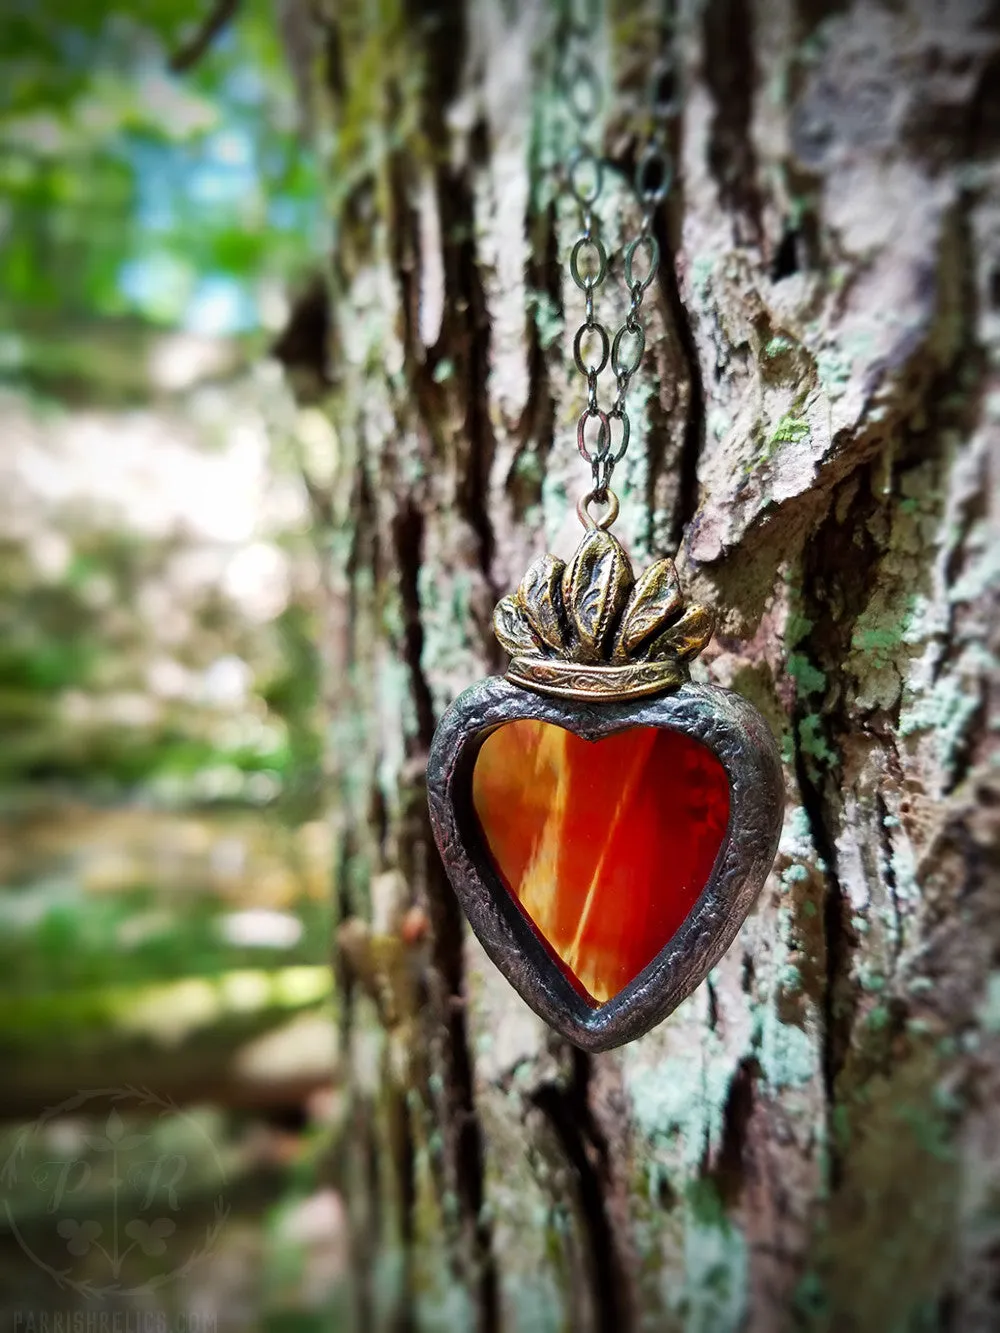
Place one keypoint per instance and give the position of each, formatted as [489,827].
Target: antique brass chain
[593,346]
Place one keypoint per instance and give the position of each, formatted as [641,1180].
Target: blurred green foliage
[152,937]
[135,201]
[136,204]
[137,196]
[52,642]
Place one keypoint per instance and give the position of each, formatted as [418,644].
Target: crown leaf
[655,601]
[687,637]
[512,629]
[595,589]
[540,596]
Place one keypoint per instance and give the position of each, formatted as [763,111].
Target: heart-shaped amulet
[604,844]
[605,824]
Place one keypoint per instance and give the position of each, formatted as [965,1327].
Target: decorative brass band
[570,680]
[592,630]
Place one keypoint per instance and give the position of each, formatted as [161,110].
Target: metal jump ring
[629,368]
[651,243]
[619,414]
[588,521]
[658,157]
[603,436]
[581,157]
[602,333]
[583,75]
[591,280]
[666,68]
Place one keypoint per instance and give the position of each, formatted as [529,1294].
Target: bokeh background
[166,866]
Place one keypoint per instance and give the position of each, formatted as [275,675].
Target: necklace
[605,823]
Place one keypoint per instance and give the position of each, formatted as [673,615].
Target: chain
[593,346]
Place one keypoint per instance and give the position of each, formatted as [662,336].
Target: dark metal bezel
[725,722]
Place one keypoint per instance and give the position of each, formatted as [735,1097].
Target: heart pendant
[605,823]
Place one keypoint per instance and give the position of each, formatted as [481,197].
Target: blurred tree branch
[219,17]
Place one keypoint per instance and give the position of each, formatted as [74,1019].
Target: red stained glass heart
[605,845]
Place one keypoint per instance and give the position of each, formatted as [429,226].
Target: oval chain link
[593,346]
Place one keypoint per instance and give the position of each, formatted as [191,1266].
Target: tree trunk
[811,1140]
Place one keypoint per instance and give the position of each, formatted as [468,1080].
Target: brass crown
[591,630]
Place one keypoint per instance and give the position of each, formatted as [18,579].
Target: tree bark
[811,1141]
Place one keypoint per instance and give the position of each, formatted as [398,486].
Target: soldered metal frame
[724,722]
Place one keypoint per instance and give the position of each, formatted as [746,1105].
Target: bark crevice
[408,537]
[693,435]
[730,71]
[566,1107]
[536,427]
[467,1172]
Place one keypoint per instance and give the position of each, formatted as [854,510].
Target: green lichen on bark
[809,430]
